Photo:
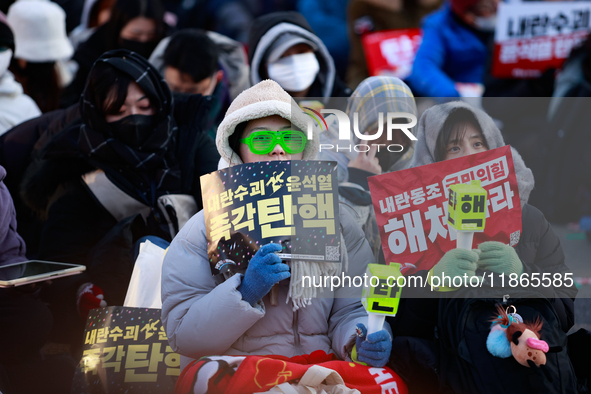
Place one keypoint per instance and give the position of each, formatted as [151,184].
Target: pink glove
[89,297]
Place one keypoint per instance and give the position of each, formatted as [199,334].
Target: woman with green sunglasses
[204,316]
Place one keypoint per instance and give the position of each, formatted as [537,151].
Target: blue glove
[264,270]
[373,350]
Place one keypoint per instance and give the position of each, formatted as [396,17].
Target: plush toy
[511,336]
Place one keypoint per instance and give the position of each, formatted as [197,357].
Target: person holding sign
[205,315]
[449,131]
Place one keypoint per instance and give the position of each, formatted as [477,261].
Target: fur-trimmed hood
[432,122]
[264,99]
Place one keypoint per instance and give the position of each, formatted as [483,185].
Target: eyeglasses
[263,142]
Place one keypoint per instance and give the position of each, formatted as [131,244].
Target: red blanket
[255,374]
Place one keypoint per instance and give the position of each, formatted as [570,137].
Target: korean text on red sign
[411,207]
[533,37]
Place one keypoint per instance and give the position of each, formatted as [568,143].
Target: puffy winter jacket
[204,317]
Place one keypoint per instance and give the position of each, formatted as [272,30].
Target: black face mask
[142,48]
[133,130]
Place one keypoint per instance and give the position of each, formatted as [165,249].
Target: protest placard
[533,37]
[126,351]
[391,52]
[293,203]
[411,207]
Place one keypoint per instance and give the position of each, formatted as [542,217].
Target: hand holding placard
[264,270]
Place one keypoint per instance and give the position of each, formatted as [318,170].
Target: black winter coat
[414,350]
[78,229]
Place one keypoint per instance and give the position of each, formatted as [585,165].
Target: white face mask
[5,57]
[485,24]
[295,73]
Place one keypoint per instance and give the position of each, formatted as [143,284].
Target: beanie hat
[459,7]
[6,36]
[266,98]
[39,28]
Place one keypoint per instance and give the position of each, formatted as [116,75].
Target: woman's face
[139,29]
[471,142]
[136,103]
[273,123]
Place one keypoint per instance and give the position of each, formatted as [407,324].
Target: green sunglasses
[263,142]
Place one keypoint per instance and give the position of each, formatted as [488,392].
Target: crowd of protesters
[111,110]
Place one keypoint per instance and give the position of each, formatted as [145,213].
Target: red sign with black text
[411,207]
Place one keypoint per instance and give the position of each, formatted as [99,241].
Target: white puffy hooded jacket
[203,316]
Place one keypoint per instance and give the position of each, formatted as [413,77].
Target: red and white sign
[532,37]
[411,207]
[391,52]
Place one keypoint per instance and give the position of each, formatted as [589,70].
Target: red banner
[411,207]
[533,37]
[391,52]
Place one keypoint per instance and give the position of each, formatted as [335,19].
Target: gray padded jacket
[203,317]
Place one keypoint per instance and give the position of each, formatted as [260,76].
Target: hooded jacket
[266,29]
[15,106]
[203,316]
[539,247]
[373,96]
[451,51]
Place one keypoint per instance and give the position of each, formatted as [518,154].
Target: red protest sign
[391,52]
[411,207]
[533,37]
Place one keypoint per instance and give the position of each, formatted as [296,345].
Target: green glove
[499,258]
[456,262]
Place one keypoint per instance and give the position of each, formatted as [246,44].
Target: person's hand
[373,349]
[499,258]
[264,270]
[89,296]
[456,262]
[367,161]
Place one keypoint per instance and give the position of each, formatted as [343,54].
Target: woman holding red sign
[206,315]
[429,321]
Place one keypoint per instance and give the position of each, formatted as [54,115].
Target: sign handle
[465,239]
[375,322]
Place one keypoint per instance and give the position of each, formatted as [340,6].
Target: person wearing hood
[445,132]
[455,48]
[136,25]
[41,47]
[373,96]
[283,47]
[197,307]
[15,106]
[128,168]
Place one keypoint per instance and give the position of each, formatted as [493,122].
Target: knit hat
[39,28]
[286,41]
[6,36]
[266,98]
[459,7]
[431,124]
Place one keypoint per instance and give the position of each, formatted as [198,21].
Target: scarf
[144,172]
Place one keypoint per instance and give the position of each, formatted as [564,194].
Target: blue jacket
[328,19]
[450,52]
